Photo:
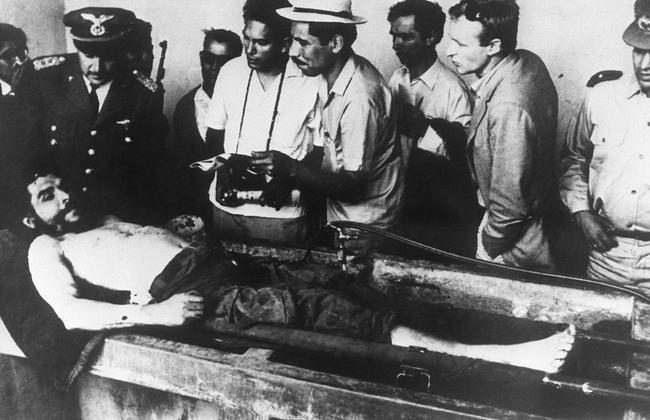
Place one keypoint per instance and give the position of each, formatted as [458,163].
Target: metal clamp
[414,373]
[341,254]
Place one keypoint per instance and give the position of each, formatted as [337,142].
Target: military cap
[140,37]
[99,24]
[637,34]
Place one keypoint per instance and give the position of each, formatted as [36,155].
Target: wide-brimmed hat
[637,34]
[325,11]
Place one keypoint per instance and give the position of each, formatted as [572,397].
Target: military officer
[100,124]
[605,180]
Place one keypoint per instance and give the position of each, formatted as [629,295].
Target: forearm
[453,138]
[92,315]
[344,186]
[514,184]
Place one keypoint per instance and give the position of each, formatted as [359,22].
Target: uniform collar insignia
[96,28]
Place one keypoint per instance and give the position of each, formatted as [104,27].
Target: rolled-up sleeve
[359,132]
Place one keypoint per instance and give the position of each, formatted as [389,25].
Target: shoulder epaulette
[49,61]
[145,81]
[604,76]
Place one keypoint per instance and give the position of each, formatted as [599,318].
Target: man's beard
[85,220]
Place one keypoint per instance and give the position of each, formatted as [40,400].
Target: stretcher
[273,373]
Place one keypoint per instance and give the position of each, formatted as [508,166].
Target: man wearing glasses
[13,54]
[219,47]
[17,125]
[512,133]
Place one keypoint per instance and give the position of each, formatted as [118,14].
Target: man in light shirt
[605,173]
[263,102]
[190,126]
[434,110]
[361,173]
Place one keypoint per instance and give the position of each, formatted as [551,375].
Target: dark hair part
[265,11]
[500,19]
[325,31]
[429,17]
[223,36]
[9,33]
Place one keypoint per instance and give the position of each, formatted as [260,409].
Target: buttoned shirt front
[440,93]
[201,106]
[237,103]
[101,91]
[359,135]
[606,166]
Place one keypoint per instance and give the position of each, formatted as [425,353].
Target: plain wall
[576,38]
[41,21]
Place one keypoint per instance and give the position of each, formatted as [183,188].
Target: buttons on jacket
[93,133]
[53,127]
[53,142]
[88,171]
[91,152]
[127,139]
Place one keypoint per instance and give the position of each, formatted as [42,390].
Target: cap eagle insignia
[644,23]
[96,28]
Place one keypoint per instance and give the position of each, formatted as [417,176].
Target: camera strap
[273,116]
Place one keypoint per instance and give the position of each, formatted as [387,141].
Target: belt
[634,234]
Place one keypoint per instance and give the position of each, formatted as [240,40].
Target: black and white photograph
[324,209]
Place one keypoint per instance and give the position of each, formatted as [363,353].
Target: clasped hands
[275,193]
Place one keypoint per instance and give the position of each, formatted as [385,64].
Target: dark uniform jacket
[18,133]
[114,160]
[189,147]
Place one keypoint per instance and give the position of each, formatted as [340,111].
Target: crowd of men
[307,132]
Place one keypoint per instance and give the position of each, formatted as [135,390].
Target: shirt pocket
[607,143]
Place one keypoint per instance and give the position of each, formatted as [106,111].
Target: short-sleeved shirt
[359,135]
[605,167]
[296,126]
[441,93]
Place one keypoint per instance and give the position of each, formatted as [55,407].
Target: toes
[561,354]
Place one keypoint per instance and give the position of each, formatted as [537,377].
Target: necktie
[94,102]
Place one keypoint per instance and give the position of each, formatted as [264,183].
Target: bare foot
[547,355]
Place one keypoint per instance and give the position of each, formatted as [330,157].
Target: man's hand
[274,163]
[277,192]
[597,231]
[411,121]
[176,310]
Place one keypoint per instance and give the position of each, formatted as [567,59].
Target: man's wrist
[578,215]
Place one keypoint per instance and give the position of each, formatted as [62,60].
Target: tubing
[500,267]
[597,388]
